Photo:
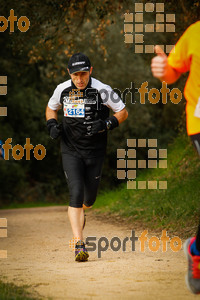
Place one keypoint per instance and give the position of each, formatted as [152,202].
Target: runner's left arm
[121,116]
[113,101]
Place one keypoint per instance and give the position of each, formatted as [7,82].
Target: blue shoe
[193,276]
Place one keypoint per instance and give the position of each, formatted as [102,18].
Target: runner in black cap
[86,102]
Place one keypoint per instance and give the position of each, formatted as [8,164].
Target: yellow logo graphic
[76,93]
[127,163]
[3,234]
[134,26]
[72,243]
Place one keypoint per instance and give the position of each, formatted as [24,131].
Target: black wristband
[111,123]
[50,123]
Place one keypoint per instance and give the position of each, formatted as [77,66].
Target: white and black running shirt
[80,108]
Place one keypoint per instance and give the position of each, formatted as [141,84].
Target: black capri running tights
[83,177]
[196,141]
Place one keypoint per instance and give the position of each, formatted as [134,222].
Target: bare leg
[76,217]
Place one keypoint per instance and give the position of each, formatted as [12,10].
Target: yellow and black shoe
[81,253]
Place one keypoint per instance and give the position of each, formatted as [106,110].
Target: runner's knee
[76,198]
[89,201]
[86,207]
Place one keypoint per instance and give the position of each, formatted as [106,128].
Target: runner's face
[81,79]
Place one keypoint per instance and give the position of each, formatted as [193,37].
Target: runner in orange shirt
[185,57]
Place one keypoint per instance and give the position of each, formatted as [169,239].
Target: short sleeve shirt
[80,110]
[186,58]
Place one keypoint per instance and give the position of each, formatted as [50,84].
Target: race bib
[74,110]
[197,109]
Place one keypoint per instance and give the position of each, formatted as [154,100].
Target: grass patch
[176,208]
[9,291]
[173,208]
[31,204]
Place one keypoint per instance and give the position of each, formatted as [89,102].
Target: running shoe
[193,275]
[81,253]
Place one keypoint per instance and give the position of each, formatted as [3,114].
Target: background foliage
[35,62]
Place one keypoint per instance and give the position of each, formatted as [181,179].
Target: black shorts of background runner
[83,178]
[196,141]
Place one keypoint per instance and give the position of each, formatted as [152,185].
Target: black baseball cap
[79,62]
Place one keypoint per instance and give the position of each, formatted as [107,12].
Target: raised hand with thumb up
[159,63]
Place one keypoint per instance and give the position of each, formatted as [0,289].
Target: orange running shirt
[187,58]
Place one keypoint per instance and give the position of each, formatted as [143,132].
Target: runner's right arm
[51,114]
[53,127]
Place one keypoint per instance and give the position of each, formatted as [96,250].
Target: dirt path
[39,255]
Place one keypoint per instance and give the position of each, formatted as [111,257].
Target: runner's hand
[98,127]
[159,63]
[54,128]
